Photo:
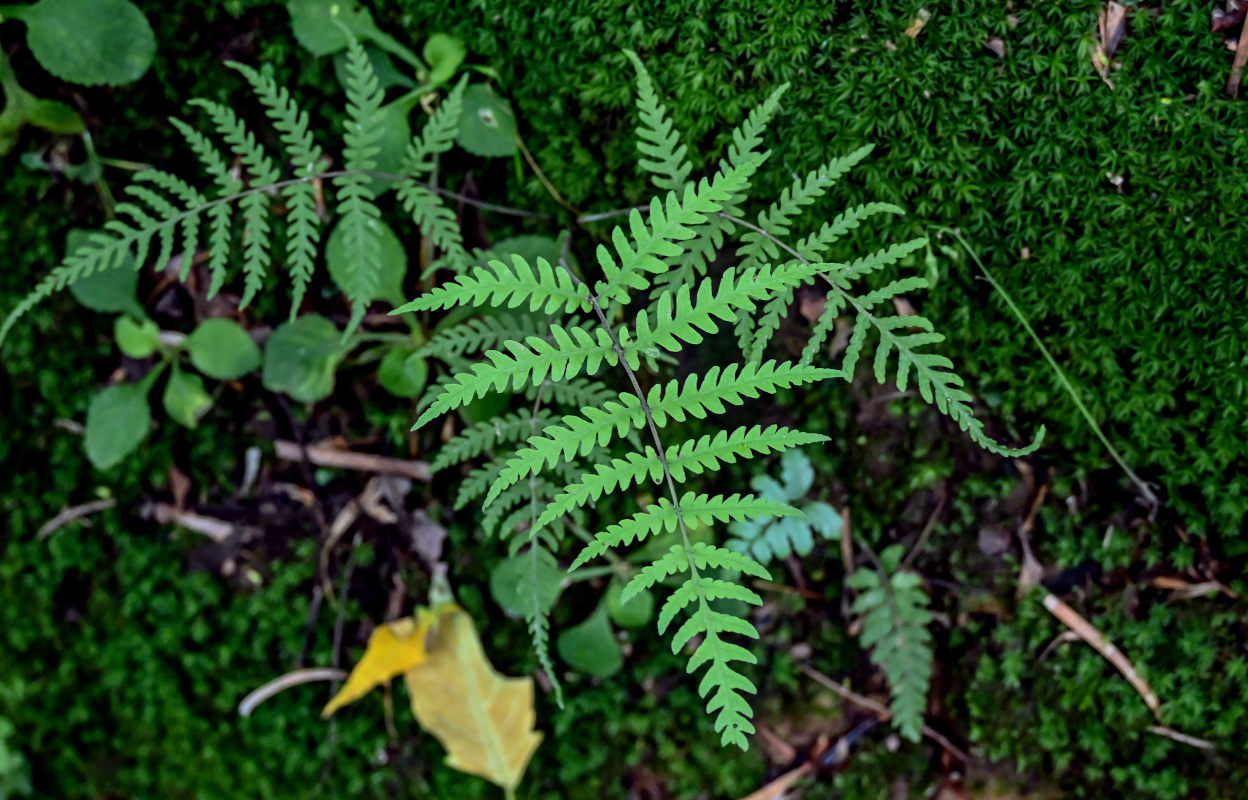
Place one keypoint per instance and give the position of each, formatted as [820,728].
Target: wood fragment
[284,682]
[1086,631]
[777,788]
[323,455]
[882,711]
[1237,66]
[68,515]
[1182,738]
[215,529]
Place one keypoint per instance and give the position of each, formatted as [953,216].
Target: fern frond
[579,392]
[485,435]
[191,201]
[876,261]
[694,456]
[695,508]
[572,352]
[658,236]
[895,629]
[599,424]
[834,302]
[814,246]
[438,135]
[546,289]
[482,333]
[777,219]
[360,215]
[666,158]
[435,221]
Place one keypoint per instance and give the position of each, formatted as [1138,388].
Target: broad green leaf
[393,648]
[300,358]
[511,576]
[484,720]
[89,41]
[638,611]
[403,373]
[443,54]
[109,291]
[136,339]
[22,108]
[221,349]
[488,126]
[322,26]
[824,519]
[591,646]
[117,422]
[185,398]
[340,259]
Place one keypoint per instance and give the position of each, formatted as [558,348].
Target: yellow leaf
[484,721]
[393,649]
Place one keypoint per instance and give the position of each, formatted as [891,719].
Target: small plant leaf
[185,398]
[393,262]
[322,26]
[403,373]
[443,54]
[484,720]
[591,646]
[110,291]
[825,520]
[300,358]
[117,422]
[136,339]
[393,649]
[512,579]
[797,474]
[89,41]
[488,126]
[634,613]
[222,349]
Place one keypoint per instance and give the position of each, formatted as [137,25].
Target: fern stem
[1061,376]
[541,176]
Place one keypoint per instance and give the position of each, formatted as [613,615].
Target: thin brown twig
[882,711]
[71,513]
[541,176]
[927,529]
[324,455]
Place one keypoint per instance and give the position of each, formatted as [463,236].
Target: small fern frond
[482,333]
[666,158]
[695,508]
[545,289]
[777,219]
[895,629]
[486,435]
[658,236]
[209,157]
[438,135]
[572,352]
[360,215]
[834,302]
[814,246]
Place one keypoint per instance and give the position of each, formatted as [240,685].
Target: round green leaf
[591,646]
[488,126]
[90,41]
[638,611]
[117,421]
[300,358]
[340,259]
[403,373]
[221,349]
[185,398]
[109,291]
[136,339]
[511,576]
[319,24]
[443,54]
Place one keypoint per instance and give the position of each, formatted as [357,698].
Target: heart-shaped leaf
[185,398]
[136,339]
[403,373]
[488,126]
[221,349]
[591,646]
[300,358]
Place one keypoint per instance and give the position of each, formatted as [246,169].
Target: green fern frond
[598,425]
[814,246]
[834,302]
[438,135]
[360,215]
[658,236]
[426,208]
[485,435]
[666,158]
[578,392]
[895,629]
[695,508]
[572,352]
[545,289]
[482,333]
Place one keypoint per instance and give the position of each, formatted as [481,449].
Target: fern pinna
[249,186]
[552,334]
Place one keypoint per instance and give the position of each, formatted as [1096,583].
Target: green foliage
[88,41]
[23,108]
[895,624]
[764,536]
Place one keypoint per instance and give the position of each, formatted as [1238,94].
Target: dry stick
[284,682]
[68,515]
[323,455]
[541,176]
[882,711]
[1182,738]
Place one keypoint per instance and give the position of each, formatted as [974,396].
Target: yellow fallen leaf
[484,721]
[393,649]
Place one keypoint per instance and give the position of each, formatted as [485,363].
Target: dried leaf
[394,648]
[484,721]
[920,20]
